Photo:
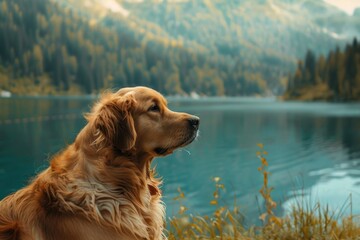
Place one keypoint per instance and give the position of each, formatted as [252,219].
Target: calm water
[314,150]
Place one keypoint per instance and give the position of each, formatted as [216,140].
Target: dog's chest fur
[123,211]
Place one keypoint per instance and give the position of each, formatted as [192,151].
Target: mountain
[277,28]
[212,47]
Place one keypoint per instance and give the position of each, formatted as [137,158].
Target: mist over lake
[313,150]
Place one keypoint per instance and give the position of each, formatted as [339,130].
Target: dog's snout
[194,122]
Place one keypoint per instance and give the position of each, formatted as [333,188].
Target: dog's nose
[194,122]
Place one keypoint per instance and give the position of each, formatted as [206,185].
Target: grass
[305,221]
[313,93]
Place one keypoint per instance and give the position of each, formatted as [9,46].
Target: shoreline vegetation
[304,222]
[332,78]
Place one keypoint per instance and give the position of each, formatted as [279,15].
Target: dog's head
[138,120]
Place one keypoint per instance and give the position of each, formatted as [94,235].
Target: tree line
[337,74]
[46,48]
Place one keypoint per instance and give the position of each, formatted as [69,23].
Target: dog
[102,186]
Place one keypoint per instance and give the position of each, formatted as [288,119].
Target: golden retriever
[102,185]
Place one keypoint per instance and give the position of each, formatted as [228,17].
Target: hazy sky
[346,5]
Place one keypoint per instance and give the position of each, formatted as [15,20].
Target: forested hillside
[209,47]
[335,77]
[46,48]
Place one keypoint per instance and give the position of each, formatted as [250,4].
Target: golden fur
[102,186]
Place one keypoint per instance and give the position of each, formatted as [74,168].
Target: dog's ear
[113,122]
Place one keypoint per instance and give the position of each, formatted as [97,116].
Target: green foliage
[176,47]
[48,47]
[336,77]
[257,41]
[304,222]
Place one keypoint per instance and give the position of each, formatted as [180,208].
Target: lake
[313,150]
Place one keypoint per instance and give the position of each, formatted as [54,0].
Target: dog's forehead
[143,94]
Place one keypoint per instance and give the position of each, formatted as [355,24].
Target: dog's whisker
[185,150]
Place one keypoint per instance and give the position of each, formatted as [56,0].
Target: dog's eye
[154,108]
